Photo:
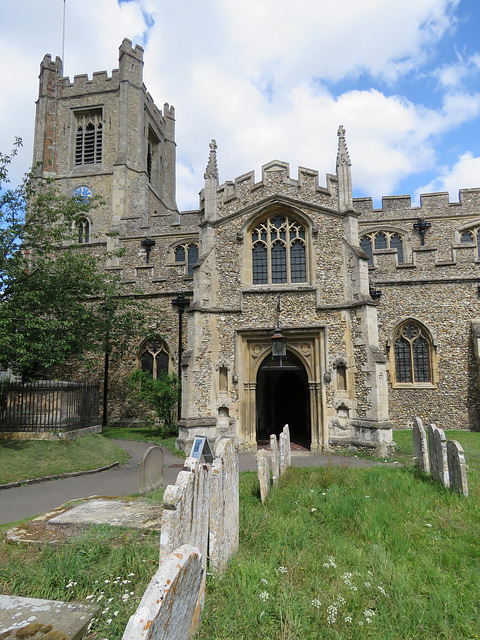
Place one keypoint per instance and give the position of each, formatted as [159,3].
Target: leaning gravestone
[151,469]
[282,446]
[456,467]
[170,605]
[275,459]
[177,513]
[420,446]
[438,454]
[224,505]
[263,474]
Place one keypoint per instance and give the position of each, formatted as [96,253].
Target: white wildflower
[313,509]
[367,584]
[109,621]
[282,570]
[264,596]
[263,581]
[316,603]
[348,619]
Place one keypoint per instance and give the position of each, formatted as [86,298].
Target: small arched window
[187,253]
[83,230]
[471,235]
[279,253]
[154,357]
[413,353]
[382,240]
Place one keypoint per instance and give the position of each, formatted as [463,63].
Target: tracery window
[471,235]
[413,354]
[88,138]
[83,229]
[187,253]
[279,251]
[154,357]
[381,240]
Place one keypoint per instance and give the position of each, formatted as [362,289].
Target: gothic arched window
[187,253]
[154,357]
[381,240]
[413,353]
[279,252]
[471,235]
[83,230]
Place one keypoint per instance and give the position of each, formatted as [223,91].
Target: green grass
[334,544]
[28,459]
[108,566]
[143,434]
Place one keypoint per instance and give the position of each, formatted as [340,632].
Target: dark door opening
[282,398]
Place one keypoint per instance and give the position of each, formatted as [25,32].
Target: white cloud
[463,175]
[254,75]
[452,76]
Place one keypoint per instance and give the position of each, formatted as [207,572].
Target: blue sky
[272,79]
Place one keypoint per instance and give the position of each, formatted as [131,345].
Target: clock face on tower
[83,192]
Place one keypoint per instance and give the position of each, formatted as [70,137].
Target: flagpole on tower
[63,35]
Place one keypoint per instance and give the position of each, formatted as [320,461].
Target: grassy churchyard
[335,553]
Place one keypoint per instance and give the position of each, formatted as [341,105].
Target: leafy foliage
[50,288]
[160,395]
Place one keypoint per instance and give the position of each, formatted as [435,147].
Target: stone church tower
[278,257]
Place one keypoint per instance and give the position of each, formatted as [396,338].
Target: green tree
[50,289]
[160,396]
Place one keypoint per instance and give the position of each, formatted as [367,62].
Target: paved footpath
[34,499]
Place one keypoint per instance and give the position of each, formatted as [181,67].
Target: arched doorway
[282,397]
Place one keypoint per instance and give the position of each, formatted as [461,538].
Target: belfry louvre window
[413,354]
[88,138]
[279,251]
[154,357]
[187,253]
[381,240]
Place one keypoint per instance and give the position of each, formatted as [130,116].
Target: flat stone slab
[116,513]
[44,619]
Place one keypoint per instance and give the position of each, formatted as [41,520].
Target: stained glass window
[279,251]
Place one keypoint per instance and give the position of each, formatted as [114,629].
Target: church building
[283,299]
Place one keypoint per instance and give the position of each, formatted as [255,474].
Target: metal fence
[48,405]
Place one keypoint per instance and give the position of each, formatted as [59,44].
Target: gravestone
[151,469]
[28,618]
[420,446]
[263,474]
[286,431]
[438,454]
[170,607]
[224,505]
[275,459]
[282,454]
[177,513]
[457,468]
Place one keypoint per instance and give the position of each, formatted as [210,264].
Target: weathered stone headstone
[31,618]
[457,468]
[286,431]
[224,505]
[151,469]
[169,607]
[177,513]
[282,448]
[263,474]
[438,454]
[420,446]
[275,459]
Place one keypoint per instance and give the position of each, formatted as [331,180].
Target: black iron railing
[48,405]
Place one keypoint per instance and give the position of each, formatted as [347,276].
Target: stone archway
[283,397]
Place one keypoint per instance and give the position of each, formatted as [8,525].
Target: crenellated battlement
[431,204]
[462,260]
[274,174]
